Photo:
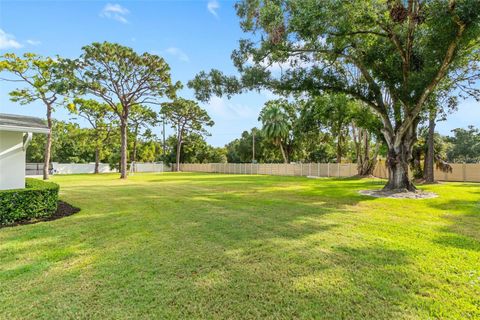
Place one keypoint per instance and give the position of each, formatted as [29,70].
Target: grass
[232,246]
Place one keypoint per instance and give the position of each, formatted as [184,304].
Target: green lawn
[254,247]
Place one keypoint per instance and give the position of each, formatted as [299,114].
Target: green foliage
[70,144]
[140,117]
[38,200]
[187,118]
[43,78]
[123,79]
[240,150]
[465,145]
[280,120]
[394,56]
[194,150]
[45,81]
[275,120]
[420,149]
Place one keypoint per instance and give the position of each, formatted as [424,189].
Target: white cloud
[212,6]
[33,42]
[115,12]
[223,108]
[178,53]
[7,41]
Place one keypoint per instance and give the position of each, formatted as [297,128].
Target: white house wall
[12,160]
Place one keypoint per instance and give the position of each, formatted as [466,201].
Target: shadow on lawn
[464,216]
[463,232]
[256,250]
[235,277]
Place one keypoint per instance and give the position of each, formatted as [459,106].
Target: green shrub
[38,200]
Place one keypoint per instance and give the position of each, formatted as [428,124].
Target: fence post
[301,169]
[328,169]
[464,169]
[338,169]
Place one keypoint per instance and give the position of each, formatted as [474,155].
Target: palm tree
[276,124]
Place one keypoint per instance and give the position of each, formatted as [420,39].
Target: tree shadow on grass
[272,250]
[259,279]
[464,217]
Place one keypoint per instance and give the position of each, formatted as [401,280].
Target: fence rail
[147,167]
[462,172]
[35,169]
[467,172]
[278,169]
[75,168]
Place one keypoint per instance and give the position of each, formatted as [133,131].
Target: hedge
[38,200]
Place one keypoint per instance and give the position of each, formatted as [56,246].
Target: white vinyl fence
[77,168]
[34,169]
[73,168]
[147,167]
[277,169]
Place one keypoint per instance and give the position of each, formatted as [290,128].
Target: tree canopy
[44,81]
[187,118]
[392,55]
[123,79]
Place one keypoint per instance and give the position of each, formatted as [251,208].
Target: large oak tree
[390,54]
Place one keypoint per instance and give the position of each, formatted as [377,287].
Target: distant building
[15,135]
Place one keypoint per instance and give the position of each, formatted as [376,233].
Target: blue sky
[191,35]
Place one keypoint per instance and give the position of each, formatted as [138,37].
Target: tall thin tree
[123,79]
[186,117]
[44,82]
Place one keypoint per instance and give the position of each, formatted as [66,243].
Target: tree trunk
[134,151]
[285,160]
[366,160]
[339,150]
[428,173]
[134,148]
[179,149]
[97,160]
[123,151]
[179,146]
[48,146]
[397,164]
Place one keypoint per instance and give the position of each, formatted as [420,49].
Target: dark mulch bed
[64,209]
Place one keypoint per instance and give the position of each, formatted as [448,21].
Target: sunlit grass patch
[183,245]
